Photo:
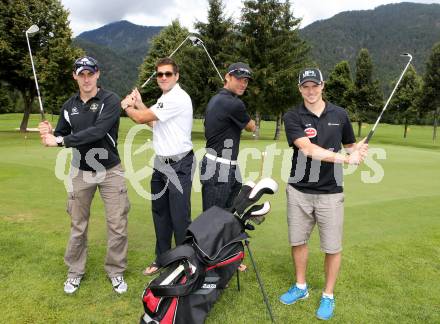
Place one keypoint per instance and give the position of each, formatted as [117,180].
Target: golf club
[195,41]
[198,42]
[248,198]
[243,194]
[32,30]
[256,213]
[263,155]
[370,134]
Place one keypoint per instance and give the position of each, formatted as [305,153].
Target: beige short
[305,210]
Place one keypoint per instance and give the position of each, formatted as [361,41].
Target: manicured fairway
[391,259]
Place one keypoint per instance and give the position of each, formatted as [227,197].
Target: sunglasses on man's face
[167,74]
[241,73]
[86,61]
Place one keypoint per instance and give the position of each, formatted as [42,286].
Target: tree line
[266,37]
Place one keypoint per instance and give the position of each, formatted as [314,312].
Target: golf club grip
[370,135]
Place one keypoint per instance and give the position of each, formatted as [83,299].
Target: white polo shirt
[172,130]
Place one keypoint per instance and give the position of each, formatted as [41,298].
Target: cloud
[88,15]
[104,11]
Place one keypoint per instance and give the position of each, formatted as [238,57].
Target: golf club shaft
[35,78]
[154,73]
[213,64]
[178,47]
[370,134]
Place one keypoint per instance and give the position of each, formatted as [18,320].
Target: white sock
[301,286]
[327,295]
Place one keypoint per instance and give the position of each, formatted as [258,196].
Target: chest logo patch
[160,105]
[75,111]
[311,132]
[94,107]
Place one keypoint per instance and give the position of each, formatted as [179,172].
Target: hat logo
[309,73]
[94,107]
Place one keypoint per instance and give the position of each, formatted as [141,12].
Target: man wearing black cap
[316,130]
[89,123]
[225,118]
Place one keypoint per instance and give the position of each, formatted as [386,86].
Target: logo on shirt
[94,107]
[160,105]
[74,111]
[333,124]
[311,132]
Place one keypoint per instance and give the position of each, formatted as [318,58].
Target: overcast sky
[91,14]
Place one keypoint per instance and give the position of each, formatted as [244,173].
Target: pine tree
[404,105]
[220,39]
[339,86]
[431,90]
[367,95]
[274,50]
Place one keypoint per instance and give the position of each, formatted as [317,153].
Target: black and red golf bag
[196,272]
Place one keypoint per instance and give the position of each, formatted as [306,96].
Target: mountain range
[386,31]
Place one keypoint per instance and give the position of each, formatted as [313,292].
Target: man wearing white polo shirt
[171,118]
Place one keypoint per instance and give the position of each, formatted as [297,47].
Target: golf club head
[242,195]
[256,213]
[248,198]
[195,40]
[407,54]
[258,216]
[266,185]
[32,30]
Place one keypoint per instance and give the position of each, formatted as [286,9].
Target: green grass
[391,260]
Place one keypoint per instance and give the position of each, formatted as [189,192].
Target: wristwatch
[59,140]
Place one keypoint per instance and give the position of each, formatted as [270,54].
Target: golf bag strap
[183,288]
[181,252]
[191,280]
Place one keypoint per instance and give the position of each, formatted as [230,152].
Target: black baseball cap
[310,74]
[240,70]
[85,63]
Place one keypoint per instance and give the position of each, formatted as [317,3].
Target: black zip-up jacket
[91,129]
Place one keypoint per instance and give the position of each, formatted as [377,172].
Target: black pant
[171,205]
[221,183]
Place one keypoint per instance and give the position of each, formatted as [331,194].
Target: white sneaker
[71,285]
[119,284]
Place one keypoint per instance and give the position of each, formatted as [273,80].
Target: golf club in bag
[370,134]
[194,274]
[32,30]
[195,41]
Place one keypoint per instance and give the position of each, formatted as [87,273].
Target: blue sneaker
[293,295]
[326,308]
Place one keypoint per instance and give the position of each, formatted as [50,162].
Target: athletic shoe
[71,285]
[326,308]
[119,284]
[293,295]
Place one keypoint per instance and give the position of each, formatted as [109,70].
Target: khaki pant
[113,192]
[305,210]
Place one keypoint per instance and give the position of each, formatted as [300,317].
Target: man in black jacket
[89,123]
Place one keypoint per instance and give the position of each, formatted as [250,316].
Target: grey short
[305,210]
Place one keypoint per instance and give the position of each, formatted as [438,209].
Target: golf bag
[196,272]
